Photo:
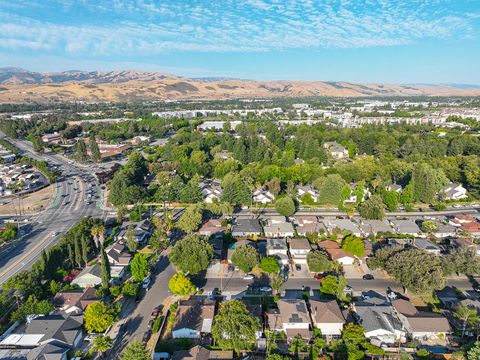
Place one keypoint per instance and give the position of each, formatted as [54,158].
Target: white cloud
[135,27]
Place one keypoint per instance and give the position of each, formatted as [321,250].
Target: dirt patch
[31,203]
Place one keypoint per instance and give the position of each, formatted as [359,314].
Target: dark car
[298,267]
[318,276]
[368,277]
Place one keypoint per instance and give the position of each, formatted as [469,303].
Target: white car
[248,277]
[54,233]
[146,283]
[266,288]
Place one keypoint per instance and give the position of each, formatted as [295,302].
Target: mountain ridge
[20,85]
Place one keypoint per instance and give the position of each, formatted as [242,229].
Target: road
[137,316]
[66,209]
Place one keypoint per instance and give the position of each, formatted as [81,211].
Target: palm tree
[101,344]
[466,315]
[98,232]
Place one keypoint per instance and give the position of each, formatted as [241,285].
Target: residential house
[465,243]
[200,353]
[308,191]
[294,318]
[328,244]
[47,352]
[256,311]
[444,230]
[262,196]
[394,187]
[142,230]
[299,248]
[74,301]
[467,224]
[308,224]
[59,330]
[380,322]
[90,276]
[407,227]
[118,255]
[279,249]
[421,326]
[211,190]
[373,227]
[345,225]
[194,319]
[51,138]
[427,246]
[212,227]
[453,192]
[244,227]
[403,242]
[277,227]
[336,150]
[341,256]
[327,316]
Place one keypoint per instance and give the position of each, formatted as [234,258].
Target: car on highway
[54,233]
[368,277]
[248,277]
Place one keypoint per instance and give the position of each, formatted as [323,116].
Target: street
[67,207]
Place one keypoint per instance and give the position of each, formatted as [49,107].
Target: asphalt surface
[46,228]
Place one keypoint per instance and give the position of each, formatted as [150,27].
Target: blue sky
[403,41]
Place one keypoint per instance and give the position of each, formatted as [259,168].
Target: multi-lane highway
[67,207]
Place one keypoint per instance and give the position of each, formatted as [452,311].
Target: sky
[391,41]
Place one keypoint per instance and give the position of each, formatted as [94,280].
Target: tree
[130,289]
[474,352]
[78,252]
[81,150]
[354,334]
[191,192]
[30,307]
[372,208]
[318,261]
[417,270]
[180,284]
[139,267]
[235,190]
[466,315]
[285,206]
[427,181]
[390,199]
[37,144]
[85,250]
[297,345]
[245,257]
[277,282]
[429,226]
[101,344]
[317,347]
[234,328]
[135,351]
[98,317]
[330,189]
[354,245]
[269,264]
[105,273]
[131,239]
[191,254]
[333,286]
[191,219]
[94,150]
[98,234]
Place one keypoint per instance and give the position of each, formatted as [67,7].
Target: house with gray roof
[245,227]
[295,318]
[343,225]
[279,249]
[141,229]
[279,230]
[407,227]
[194,319]
[327,316]
[369,227]
[427,246]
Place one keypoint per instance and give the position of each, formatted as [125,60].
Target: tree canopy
[191,254]
[318,261]
[285,206]
[245,257]
[180,284]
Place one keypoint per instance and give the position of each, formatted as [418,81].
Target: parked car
[368,277]
[298,267]
[265,288]
[248,277]
[318,276]
[146,283]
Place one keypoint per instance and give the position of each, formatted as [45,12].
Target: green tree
[30,307]
[191,254]
[330,189]
[135,351]
[318,261]
[131,239]
[333,286]
[191,219]
[354,334]
[85,250]
[78,252]
[139,267]
[316,347]
[390,199]
[95,151]
[37,144]
[98,317]
[474,352]
[191,192]
[354,245]
[130,289]
[285,206]
[81,151]
[269,264]
[180,284]
[101,344]
[235,190]
[297,345]
[245,257]
[427,181]
[105,273]
[466,316]
[372,208]
[429,226]
[234,328]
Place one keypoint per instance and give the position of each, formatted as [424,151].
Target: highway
[67,207]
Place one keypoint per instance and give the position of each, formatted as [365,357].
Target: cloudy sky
[407,41]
